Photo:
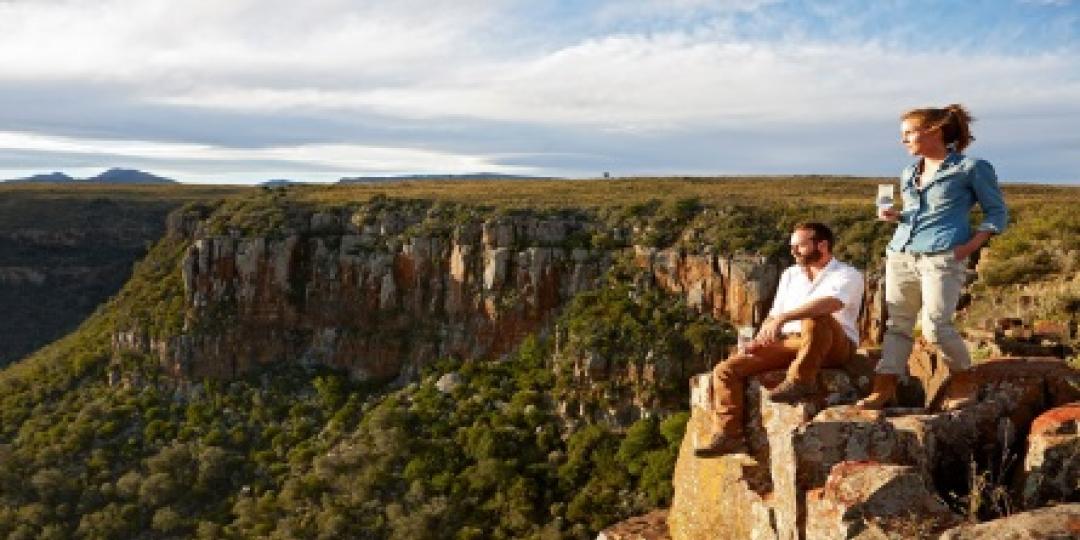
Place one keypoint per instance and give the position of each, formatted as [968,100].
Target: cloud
[665,82]
[339,159]
[258,41]
[560,88]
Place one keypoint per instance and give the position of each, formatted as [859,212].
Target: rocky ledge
[827,470]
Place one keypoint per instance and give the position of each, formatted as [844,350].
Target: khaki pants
[931,282]
[822,343]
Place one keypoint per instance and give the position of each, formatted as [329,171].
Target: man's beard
[809,258]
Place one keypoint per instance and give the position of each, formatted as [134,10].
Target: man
[812,324]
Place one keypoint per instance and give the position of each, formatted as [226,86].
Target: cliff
[382,289]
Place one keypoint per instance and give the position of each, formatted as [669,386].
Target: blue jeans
[931,282]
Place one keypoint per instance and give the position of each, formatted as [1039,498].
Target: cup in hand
[884,196]
[884,202]
[745,336]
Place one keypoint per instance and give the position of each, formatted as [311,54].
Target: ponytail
[954,121]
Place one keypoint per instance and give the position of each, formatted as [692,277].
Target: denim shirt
[935,218]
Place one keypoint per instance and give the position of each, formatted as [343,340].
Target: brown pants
[821,343]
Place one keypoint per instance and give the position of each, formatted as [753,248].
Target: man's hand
[768,334]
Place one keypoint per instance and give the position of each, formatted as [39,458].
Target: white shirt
[837,280]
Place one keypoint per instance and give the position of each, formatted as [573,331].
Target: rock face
[735,288]
[823,469]
[369,299]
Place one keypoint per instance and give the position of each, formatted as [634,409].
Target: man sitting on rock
[812,324]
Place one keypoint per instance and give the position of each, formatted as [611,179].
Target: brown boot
[726,438]
[882,394]
[791,392]
[961,390]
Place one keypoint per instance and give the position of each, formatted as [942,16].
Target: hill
[45,177]
[111,176]
[464,176]
[128,176]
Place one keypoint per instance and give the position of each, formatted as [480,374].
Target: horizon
[485,177]
[634,88]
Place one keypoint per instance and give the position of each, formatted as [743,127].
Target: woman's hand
[971,246]
[888,214]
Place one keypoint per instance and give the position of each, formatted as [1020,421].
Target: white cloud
[429,59]
[162,42]
[664,82]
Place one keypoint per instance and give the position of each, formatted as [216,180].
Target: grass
[608,193]
[553,193]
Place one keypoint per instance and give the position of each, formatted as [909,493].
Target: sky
[243,91]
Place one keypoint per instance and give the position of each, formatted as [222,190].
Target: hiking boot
[721,445]
[790,391]
[882,394]
[961,390]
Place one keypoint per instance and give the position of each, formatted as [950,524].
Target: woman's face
[919,141]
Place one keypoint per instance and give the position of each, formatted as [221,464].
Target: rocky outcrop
[1061,522]
[823,469]
[863,499]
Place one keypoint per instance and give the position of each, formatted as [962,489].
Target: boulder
[1052,462]
[1060,522]
[863,498]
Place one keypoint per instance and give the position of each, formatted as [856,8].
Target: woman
[926,260]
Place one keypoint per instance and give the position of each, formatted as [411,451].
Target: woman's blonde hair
[954,121]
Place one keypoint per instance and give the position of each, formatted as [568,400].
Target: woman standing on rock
[926,260]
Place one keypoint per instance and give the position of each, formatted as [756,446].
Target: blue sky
[244,90]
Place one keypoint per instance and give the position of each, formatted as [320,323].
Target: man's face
[804,247]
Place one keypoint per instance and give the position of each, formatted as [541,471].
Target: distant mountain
[129,176]
[279,182]
[46,177]
[111,176]
[465,176]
